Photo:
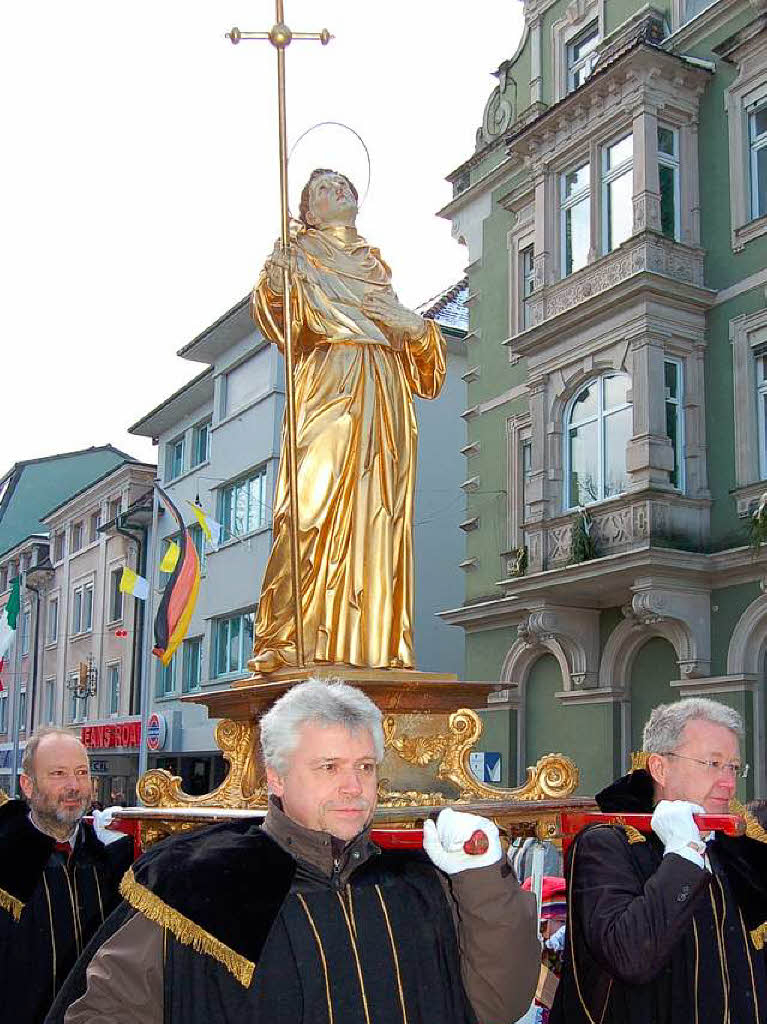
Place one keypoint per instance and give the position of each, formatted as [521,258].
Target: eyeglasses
[732,768]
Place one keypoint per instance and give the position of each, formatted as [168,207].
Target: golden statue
[360,356]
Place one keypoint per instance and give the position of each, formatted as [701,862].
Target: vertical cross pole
[280,36]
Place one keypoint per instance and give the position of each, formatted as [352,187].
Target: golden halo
[338,147]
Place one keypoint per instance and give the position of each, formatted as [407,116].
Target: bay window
[527,282]
[617,191]
[668,180]
[672,372]
[757,134]
[598,428]
[761,407]
[575,188]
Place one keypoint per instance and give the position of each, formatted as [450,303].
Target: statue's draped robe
[356,440]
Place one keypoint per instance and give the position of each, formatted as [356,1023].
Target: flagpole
[15,701]
[143,750]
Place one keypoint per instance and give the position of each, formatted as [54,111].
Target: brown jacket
[495,924]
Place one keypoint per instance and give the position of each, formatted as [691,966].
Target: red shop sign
[115,734]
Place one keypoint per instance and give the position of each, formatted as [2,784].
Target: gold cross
[280,36]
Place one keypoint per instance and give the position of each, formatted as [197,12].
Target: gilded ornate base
[244,786]
[393,690]
[429,733]
[442,757]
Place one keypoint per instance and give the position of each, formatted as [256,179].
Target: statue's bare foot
[266,662]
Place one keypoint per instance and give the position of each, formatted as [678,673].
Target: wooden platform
[394,690]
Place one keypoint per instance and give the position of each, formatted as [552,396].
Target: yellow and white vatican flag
[132,583]
[212,529]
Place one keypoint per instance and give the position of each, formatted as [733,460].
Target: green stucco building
[615,215]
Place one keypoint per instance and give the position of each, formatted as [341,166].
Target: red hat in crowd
[554,897]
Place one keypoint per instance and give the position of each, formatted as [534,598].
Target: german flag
[180,595]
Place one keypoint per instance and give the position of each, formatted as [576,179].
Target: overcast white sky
[140,182]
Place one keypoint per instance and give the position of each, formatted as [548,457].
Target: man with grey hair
[58,880]
[305,919]
[667,928]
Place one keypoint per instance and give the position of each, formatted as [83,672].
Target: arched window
[598,426]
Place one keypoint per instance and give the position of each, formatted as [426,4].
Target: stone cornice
[741,44]
[473,160]
[125,475]
[484,184]
[608,576]
[705,686]
[491,614]
[536,119]
[640,76]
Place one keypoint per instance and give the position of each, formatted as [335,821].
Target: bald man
[58,880]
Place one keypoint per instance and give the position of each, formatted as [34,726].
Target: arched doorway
[655,665]
[545,724]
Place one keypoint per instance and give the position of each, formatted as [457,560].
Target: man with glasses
[665,928]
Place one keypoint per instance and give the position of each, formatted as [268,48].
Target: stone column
[649,454]
[544,231]
[695,423]
[595,206]
[646,197]
[689,186]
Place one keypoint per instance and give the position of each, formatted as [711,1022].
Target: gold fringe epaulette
[639,760]
[11,904]
[758,936]
[633,834]
[187,932]
[753,829]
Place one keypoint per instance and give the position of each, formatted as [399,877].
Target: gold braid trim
[187,932]
[11,904]
[753,829]
[758,936]
[639,760]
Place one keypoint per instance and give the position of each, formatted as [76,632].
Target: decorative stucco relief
[643,252]
[570,634]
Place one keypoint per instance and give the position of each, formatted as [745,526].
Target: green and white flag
[9,617]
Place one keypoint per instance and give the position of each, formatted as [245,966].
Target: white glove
[101,822]
[443,841]
[674,825]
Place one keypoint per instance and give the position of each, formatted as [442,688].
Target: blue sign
[486,765]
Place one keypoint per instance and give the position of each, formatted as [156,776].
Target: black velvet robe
[282,943]
[657,940]
[50,906]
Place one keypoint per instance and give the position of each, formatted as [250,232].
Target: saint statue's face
[331,781]
[331,201]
